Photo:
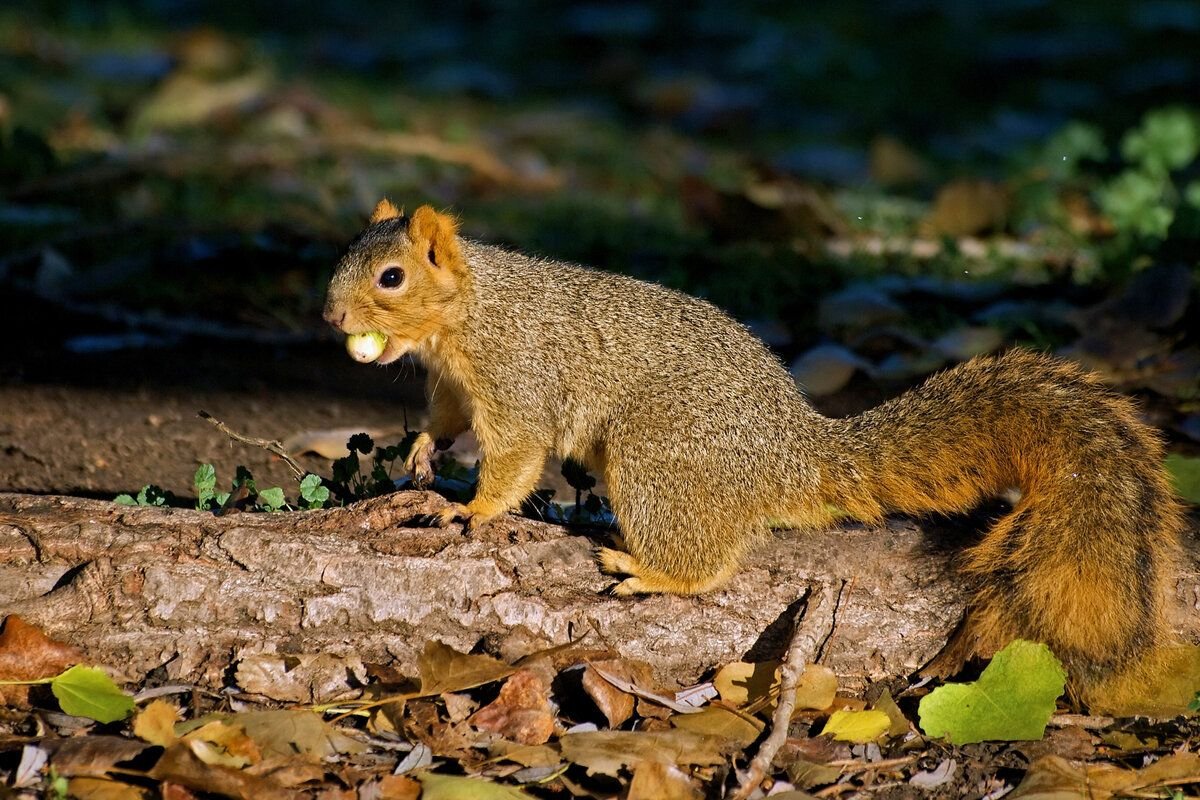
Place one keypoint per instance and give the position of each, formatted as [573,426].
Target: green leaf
[859,727]
[272,498]
[1012,700]
[1185,472]
[1136,202]
[1076,142]
[1168,139]
[313,491]
[205,482]
[125,500]
[89,692]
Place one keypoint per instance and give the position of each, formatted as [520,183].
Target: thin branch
[813,623]
[269,445]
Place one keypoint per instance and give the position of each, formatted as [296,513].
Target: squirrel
[703,437]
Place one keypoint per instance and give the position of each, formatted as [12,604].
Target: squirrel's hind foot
[645,580]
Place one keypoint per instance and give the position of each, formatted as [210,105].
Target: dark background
[879,189]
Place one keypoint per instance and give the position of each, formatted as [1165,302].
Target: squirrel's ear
[438,232]
[385,210]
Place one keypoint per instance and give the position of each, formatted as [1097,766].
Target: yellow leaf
[227,745]
[858,727]
[156,723]
[653,780]
[85,788]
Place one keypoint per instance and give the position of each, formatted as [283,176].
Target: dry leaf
[179,764]
[741,683]
[398,787]
[887,705]
[606,752]
[628,682]
[91,755]
[522,711]
[454,740]
[967,208]
[307,678]
[103,789]
[28,654]
[220,743]
[719,721]
[156,723]
[1053,777]
[653,780]
[614,704]
[444,669]
[540,755]
[294,732]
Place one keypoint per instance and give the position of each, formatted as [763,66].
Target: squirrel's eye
[391,277]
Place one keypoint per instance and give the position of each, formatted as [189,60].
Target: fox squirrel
[703,437]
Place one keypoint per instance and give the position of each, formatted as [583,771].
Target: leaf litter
[470,725]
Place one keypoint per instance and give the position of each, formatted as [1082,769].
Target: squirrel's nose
[334,317]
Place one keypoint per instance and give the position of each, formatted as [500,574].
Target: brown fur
[703,436]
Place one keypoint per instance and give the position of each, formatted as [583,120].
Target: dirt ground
[98,424]
[101,424]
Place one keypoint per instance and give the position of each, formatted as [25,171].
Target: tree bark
[192,594]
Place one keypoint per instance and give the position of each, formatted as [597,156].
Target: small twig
[269,445]
[858,765]
[1084,721]
[811,626]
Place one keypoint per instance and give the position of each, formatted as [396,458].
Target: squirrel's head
[402,277]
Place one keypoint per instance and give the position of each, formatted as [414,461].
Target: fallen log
[191,594]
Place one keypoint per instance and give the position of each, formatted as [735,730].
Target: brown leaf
[28,654]
[287,771]
[180,765]
[967,208]
[103,789]
[614,704]
[653,780]
[1053,777]
[444,669]
[294,732]
[423,724]
[307,678]
[220,743]
[719,721]
[398,787]
[174,791]
[741,683]
[522,711]
[540,755]
[887,705]
[91,756]
[606,752]
[893,163]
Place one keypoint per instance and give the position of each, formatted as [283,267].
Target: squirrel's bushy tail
[1084,560]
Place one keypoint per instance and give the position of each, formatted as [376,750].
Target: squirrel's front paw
[473,514]
[419,462]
